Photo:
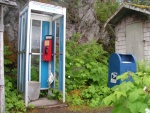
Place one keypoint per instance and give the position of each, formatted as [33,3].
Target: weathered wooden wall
[120,32]
[120,45]
[146,31]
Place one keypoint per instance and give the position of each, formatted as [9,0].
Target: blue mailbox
[119,64]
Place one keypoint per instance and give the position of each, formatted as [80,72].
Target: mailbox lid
[127,58]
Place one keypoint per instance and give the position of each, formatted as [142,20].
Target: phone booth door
[40,27]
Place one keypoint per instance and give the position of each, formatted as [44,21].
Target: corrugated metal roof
[8,2]
[124,9]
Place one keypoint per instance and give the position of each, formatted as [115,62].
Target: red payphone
[47,49]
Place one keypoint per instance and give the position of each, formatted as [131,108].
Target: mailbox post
[119,64]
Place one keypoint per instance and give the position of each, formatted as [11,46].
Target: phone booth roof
[43,8]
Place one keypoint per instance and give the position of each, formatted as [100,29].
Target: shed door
[134,40]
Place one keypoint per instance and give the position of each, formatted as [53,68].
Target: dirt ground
[68,109]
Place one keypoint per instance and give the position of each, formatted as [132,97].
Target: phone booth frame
[24,54]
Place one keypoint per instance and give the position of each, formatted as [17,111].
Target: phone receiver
[46,50]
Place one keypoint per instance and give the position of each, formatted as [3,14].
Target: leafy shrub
[105,9]
[94,94]
[86,64]
[34,73]
[75,99]
[129,97]
[7,62]
[86,72]
[56,94]
[13,101]
[143,66]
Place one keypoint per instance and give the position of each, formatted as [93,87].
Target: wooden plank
[121,47]
[122,38]
[134,40]
[146,53]
[129,20]
[121,51]
[121,30]
[147,38]
[147,43]
[120,35]
[146,34]
[120,43]
[146,29]
[2,89]
[147,48]
[147,24]
[118,27]
[147,57]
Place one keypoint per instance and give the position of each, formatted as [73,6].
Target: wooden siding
[120,32]
[146,40]
[134,40]
[120,45]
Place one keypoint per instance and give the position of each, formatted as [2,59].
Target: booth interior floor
[44,102]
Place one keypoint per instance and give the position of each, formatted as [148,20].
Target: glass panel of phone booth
[22,52]
[35,68]
[36,35]
[35,50]
[38,68]
[23,55]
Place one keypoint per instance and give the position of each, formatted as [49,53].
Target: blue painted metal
[23,56]
[24,43]
[61,39]
[119,64]
[22,51]
[53,51]
[19,56]
[44,65]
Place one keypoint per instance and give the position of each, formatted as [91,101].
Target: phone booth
[41,28]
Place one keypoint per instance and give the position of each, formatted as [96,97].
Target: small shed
[131,25]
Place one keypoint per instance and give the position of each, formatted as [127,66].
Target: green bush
[86,72]
[105,9]
[86,64]
[143,67]
[13,101]
[130,97]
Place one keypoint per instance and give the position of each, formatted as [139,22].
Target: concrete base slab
[44,102]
